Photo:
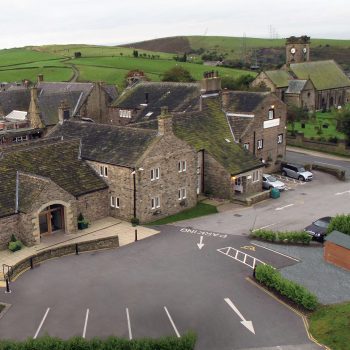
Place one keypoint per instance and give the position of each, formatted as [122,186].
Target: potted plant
[15,244]
[82,222]
[135,221]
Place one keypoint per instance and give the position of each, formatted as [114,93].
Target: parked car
[296,171]
[270,181]
[318,228]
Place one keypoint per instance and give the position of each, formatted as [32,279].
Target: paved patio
[107,227]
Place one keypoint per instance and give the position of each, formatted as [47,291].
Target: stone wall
[326,99]
[8,226]
[94,205]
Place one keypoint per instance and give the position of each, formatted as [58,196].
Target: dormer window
[124,113]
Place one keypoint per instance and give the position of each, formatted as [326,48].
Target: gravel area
[330,283]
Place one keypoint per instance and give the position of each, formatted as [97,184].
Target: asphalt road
[164,285]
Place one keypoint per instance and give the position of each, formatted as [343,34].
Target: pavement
[107,227]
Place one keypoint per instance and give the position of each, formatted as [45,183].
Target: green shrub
[135,221]
[282,237]
[340,223]
[186,342]
[272,279]
[14,246]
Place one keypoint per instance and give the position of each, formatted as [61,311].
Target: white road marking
[86,322]
[129,324]
[233,253]
[287,256]
[203,233]
[172,322]
[200,244]
[286,206]
[261,228]
[245,323]
[41,323]
[341,193]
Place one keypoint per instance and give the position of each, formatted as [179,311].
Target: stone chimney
[63,112]
[40,78]
[225,99]
[34,111]
[165,122]
[2,113]
[211,82]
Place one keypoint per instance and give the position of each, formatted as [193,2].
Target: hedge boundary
[294,237]
[271,278]
[186,342]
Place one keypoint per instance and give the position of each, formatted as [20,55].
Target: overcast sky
[37,22]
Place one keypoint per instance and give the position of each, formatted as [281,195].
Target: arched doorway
[51,219]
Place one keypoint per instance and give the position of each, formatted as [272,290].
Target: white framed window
[256,175]
[182,194]
[115,202]
[124,113]
[260,144]
[20,138]
[246,146]
[271,113]
[155,174]
[112,202]
[181,166]
[103,171]
[280,138]
[155,202]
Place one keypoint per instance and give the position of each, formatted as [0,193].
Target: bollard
[254,271]
[7,286]
[76,249]
[31,263]
[135,235]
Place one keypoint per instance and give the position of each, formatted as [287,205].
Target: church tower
[297,49]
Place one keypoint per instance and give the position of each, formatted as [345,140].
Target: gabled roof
[109,144]
[53,159]
[339,238]
[279,78]
[210,131]
[296,86]
[243,101]
[14,100]
[239,125]
[323,74]
[179,97]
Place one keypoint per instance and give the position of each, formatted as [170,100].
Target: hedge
[186,342]
[282,237]
[272,278]
[340,223]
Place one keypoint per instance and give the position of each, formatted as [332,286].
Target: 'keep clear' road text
[203,233]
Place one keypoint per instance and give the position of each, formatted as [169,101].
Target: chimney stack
[211,82]
[165,122]
[63,112]
[225,99]
[34,111]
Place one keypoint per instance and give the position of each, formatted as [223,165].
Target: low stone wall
[337,172]
[96,244]
[256,198]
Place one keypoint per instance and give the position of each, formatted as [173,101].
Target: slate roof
[14,100]
[324,74]
[53,159]
[339,238]
[239,125]
[296,86]
[109,144]
[179,97]
[209,130]
[243,101]
[280,78]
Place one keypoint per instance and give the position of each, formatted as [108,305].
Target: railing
[7,272]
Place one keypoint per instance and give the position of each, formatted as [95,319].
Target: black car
[318,228]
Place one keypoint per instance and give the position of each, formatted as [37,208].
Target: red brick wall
[337,255]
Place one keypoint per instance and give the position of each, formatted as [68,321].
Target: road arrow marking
[245,323]
[200,244]
[286,206]
[340,193]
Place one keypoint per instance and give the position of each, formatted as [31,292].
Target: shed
[337,249]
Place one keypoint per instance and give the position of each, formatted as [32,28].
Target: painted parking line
[86,322]
[172,322]
[129,324]
[286,206]
[271,250]
[240,256]
[341,193]
[41,323]
[262,228]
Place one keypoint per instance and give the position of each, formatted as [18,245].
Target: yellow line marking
[303,317]
[249,247]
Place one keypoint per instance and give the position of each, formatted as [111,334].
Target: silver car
[296,171]
[270,181]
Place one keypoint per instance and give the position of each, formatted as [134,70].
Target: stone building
[151,173]
[258,124]
[44,187]
[321,84]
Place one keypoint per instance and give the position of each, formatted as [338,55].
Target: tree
[240,83]
[343,117]
[178,74]
[296,114]
[340,223]
[135,53]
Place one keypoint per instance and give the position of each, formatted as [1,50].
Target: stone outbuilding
[337,249]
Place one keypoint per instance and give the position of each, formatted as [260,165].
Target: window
[123,113]
[182,193]
[280,138]
[246,146]
[103,171]
[155,174]
[181,166]
[155,202]
[260,144]
[20,138]
[115,202]
[271,113]
[256,175]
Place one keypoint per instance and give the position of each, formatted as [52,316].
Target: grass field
[330,325]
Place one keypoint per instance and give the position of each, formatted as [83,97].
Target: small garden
[292,237]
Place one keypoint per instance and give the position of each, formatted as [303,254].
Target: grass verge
[201,209]
[330,325]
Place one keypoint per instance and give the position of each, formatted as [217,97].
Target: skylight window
[149,114]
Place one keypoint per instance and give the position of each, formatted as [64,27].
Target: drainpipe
[134,181]
[254,144]
[202,189]
[17,192]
